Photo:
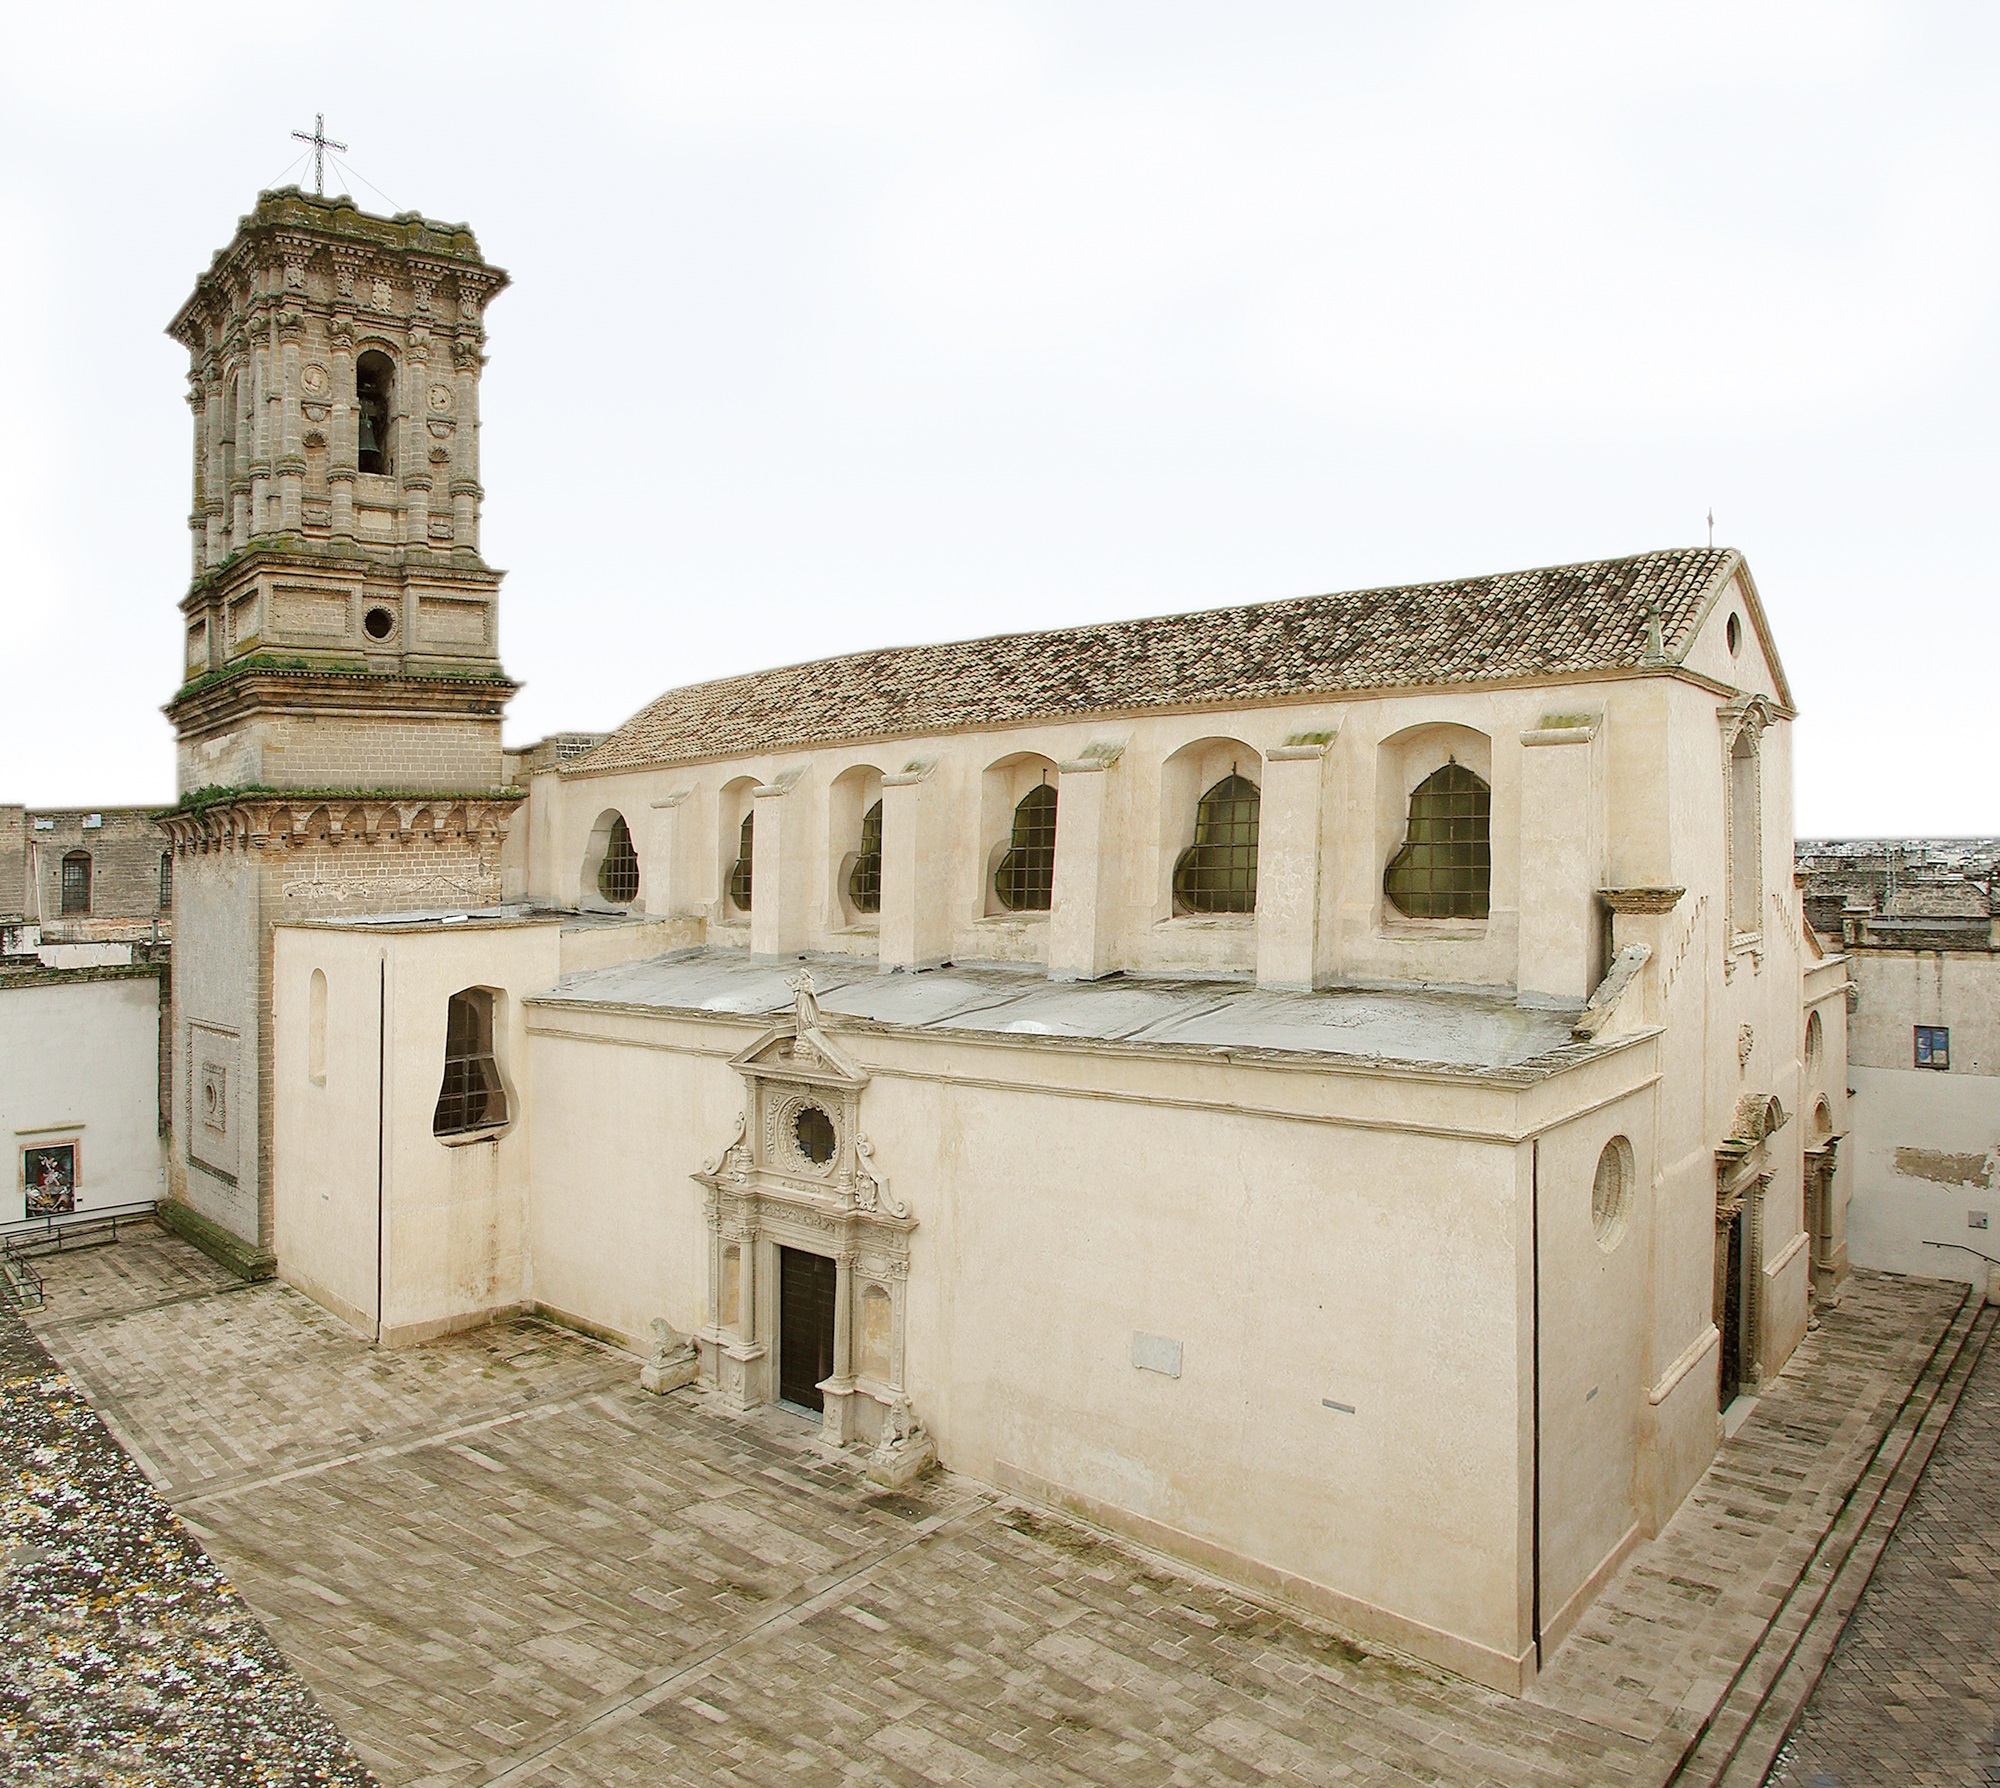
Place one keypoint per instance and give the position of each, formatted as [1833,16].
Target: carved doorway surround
[800,1175]
[1743,1171]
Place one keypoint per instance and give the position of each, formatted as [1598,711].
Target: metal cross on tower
[321,143]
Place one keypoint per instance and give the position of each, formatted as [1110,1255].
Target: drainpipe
[381,1125]
[1535,1288]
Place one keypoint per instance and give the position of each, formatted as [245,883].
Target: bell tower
[338,719]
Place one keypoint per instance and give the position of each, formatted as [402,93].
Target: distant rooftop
[1513,626]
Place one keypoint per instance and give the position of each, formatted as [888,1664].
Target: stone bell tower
[338,722]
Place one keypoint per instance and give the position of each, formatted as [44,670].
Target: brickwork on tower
[338,722]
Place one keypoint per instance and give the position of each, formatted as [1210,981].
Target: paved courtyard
[496,1559]
[1912,1695]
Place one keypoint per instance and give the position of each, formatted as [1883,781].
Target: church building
[1310,1086]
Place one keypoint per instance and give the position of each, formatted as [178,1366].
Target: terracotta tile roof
[1517,624]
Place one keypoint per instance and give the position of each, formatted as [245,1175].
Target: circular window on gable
[1611,1194]
[813,1134]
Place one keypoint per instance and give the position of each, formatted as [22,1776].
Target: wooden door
[806,1287]
[1732,1315]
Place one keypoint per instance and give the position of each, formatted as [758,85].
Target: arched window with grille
[1025,880]
[76,883]
[618,874]
[864,880]
[740,871]
[472,1096]
[1445,867]
[1218,872]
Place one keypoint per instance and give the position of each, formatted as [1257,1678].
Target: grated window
[1445,867]
[76,882]
[1218,872]
[618,875]
[166,881]
[739,871]
[471,1097]
[1026,878]
[864,880]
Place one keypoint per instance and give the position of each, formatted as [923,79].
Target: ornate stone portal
[799,1174]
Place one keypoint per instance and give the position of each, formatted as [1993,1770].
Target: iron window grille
[471,1097]
[1445,867]
[1933,1046]
[1025,881]
[1218,872]
[618,874]
[740,870]
[166,881]
[864,880]
[76,882]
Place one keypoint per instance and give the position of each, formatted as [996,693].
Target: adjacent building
[1917,922]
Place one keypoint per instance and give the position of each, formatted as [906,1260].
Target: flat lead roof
[1416,1026]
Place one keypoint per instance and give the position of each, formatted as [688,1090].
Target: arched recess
[375,412]
[1186,778]
[316,1028]
[735,845]
[854,846]
[1437,779]
[1004,786]
[610,876]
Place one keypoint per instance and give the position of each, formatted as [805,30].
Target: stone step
[1760,1697]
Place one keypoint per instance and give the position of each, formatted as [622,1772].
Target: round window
[379,623]
[812,1130]
[1611,1195]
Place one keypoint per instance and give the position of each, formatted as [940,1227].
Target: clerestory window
[471,1097]
[864,880]
[618,874]
[1025,880]
[1218,872]
[740,870]
[1445,867]
[76,883]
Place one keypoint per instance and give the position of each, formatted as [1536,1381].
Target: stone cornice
[260,821]
[401,564]
[331,690]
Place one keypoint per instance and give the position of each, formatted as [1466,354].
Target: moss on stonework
[319,667]
[217,794]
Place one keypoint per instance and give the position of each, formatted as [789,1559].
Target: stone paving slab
[497,1560]
[1656,1650]
[1912,1692]
[129,1659]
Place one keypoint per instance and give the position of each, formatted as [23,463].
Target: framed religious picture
[48,1172]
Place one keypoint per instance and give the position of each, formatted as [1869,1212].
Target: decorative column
[465,492]
[1081,914]
[746,1288]
[1561,948]
[263,444]
[1289,809]
[914,926]
[291,450]
[343,446]
[410,459]
[778,887]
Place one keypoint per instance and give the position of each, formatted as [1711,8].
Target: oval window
[1611,1194]
[812,1130]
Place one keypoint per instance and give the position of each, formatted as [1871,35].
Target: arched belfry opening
[374,406]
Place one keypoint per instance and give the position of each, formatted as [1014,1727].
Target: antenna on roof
[1711,524]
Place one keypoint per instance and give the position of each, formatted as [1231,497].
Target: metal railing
[52,1232]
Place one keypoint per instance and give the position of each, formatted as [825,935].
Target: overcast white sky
[843,324]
